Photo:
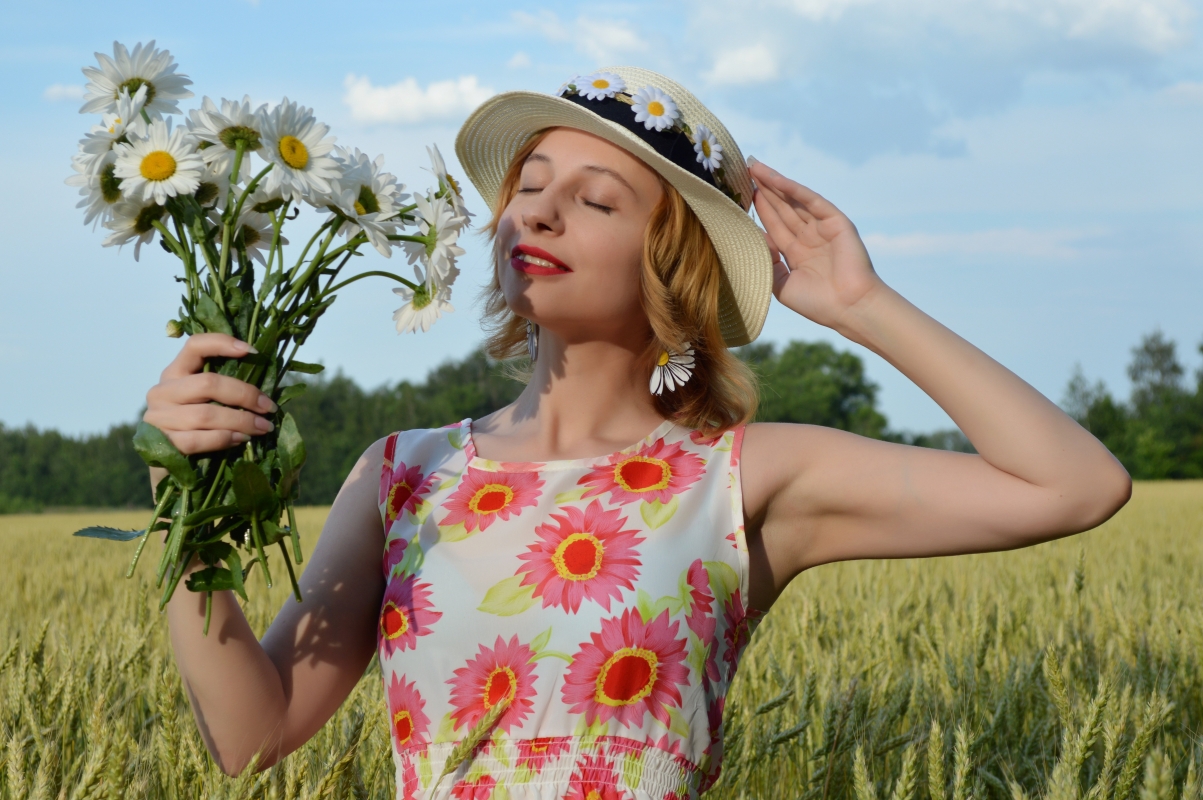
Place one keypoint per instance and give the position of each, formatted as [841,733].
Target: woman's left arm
[818,495]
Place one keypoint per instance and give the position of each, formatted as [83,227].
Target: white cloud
[1185,91]
[63,91]
[520,60]
[408,103]
[601,40]
[755,63]
[1022,242]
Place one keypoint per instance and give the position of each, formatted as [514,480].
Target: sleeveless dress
[600,601]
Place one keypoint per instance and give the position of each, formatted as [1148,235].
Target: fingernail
[266,404]
[250,348]
[264,425]
[240,438]
[752,160]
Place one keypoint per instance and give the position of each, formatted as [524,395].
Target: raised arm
[271,696]
[816,495]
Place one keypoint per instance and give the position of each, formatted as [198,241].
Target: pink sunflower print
[479,789]
[506,670]
[626,670]
[701,619]
[401,486]
[406,720]
[484,496]
[654,472]
[405,614]
[582,555]
[594,778]
[737,630]
[394,552]
[410,783]
[535,753]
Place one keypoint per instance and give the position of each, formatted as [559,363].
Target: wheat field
[1068,671]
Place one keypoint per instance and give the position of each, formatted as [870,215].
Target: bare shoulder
[775,454]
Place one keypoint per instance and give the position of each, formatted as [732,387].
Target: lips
[536,261]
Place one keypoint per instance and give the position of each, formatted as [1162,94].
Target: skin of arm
[815,495]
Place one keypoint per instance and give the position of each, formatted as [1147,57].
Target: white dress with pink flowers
[601,601]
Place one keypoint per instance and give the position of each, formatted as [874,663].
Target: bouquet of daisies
[215,190]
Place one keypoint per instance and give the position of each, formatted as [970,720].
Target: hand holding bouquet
[216,192]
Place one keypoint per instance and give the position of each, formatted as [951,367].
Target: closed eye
[599,207]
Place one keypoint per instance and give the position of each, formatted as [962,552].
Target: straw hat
[663,124]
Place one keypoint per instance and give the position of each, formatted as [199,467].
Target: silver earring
[532,340]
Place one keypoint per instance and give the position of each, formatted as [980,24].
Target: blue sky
[1026,171]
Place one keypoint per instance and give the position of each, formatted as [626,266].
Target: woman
[576,602]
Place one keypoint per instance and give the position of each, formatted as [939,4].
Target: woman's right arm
[271,696]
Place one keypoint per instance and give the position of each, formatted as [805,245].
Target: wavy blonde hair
[680,283]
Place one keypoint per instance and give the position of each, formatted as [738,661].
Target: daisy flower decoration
[672,370]
[161,165]
[367,199]
[133,221]
[422,307]
[600,85]
[654,108]
[295,143]
[145,66]
[96,147]
[221,130]
[705,144]
[446,181]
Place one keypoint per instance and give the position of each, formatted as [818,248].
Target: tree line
[810,382]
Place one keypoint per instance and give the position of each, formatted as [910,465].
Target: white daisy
[100,189]
[220,130]
[147,67]
[161,165]
[98,143]
[447,182]
[672,370]
[367,199]
[705,144]
[297,145]
[264,201]
[439,226]
[133,220]
[421,308]
[600,85]
[654,108]
[213,188]
[254,233]
[564,86]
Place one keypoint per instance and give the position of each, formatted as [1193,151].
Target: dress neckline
[476,462]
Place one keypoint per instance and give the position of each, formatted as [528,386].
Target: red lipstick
[536,261]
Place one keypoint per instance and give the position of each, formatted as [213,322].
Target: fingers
[792,191]
[776,228]
[200,346]
[192,442]
[780,276]
[796,220]
[202,387]
[207,417]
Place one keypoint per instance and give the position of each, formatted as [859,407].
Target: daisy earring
[672,370]
[532,340]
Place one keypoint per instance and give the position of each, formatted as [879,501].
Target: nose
[542,212]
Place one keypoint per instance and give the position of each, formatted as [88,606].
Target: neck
[584,399]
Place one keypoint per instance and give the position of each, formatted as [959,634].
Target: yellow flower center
[706,148]
[655,108]
[359,209]
[158,166]
[293,152]
[110,186]
[627,677]
[601,83]
[578,557]
[367,203]
[491,498]
[663,359]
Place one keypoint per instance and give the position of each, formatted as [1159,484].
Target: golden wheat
[1065,671]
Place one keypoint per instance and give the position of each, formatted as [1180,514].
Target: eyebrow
[597,168]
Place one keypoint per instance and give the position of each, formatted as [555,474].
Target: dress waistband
[549,767]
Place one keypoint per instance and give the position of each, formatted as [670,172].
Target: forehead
[569,148]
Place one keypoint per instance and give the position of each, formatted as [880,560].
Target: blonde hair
[680,283]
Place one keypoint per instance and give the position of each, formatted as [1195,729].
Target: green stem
[208,612]
[292,576]
[160,507]
[257,537]
[228,223]
[295,534]
[314,266]
[374,273]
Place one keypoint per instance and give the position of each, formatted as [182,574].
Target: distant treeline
[1158,433]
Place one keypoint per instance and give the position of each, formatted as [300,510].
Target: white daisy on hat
[661,123]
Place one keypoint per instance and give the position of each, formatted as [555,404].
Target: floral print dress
[601,601]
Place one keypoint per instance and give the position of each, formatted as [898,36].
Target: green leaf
[553,654]
[656,513]
[571,496]
[112,534]
[540,641]
[302,366]
[291,452]
[198,518]
[632,769]
[272,532]
[158,451]
[211,317]
[291,391]
[210,579]
[252,493]
[446,731]
[507,598]
[453,533]
[723,580]
[270,282]
[650,609]
[677,723]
